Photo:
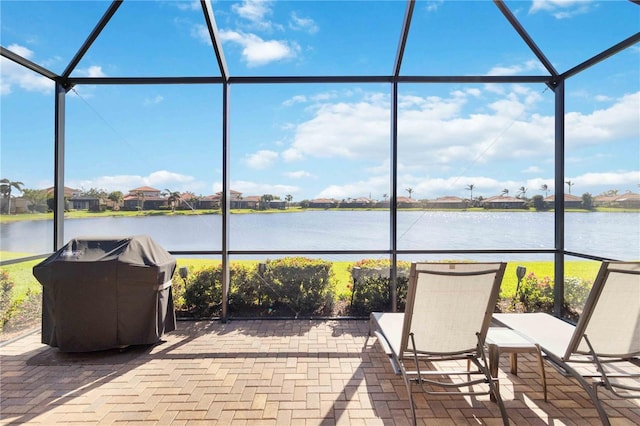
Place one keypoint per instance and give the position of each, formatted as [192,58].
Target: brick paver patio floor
[265,372]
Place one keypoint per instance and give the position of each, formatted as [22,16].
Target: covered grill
[102,293]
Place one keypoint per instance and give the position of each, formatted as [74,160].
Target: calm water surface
[613,235]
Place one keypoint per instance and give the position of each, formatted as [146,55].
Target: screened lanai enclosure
[306,152]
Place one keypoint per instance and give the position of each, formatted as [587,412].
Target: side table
[504,340]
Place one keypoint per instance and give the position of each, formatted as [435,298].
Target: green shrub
[371,291]
[247,292]
[26,312]
[536,295]
[6,294]
[203,292]
[19,313]
[301,285]
[178,287]
[576,291]
[202,295]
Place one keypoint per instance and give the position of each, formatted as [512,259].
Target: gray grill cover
[102,293]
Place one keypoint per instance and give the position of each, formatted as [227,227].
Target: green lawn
[22,275]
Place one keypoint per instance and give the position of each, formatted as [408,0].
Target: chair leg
[604,418]
[407,383]
[488,369]
[494,360]
[543,375]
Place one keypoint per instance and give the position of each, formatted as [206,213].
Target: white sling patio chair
[606,337]
[446,318]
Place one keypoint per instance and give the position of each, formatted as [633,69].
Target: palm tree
[173,197]
[504,192]
[470,189]
[522,192]
[5,190]
[570,185]
[265,201]
[385,197]
[36,197]
[195,202]
[410,191]
[141,197]
[545,188]
[115,197]
[288,199]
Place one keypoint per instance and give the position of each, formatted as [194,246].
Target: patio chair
[446,318]
[604,345]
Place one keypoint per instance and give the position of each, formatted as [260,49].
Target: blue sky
[324,140]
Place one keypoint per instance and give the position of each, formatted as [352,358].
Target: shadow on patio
[266,372]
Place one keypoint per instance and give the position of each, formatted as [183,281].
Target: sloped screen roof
[314,38]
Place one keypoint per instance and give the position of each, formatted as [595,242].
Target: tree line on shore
[94,199]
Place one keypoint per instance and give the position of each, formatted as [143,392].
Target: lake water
[611,235]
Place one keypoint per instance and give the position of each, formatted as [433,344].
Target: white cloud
[623,179]
[603,98]
[532,169]
[292,154]
[298,174]
[23,51]
[433,5]
[256,51]
[299,99]
[201,33]
[160,180]
[261,159]
[376,185]
[425,187]
[302,24]
[561,9]
[153,101]
[619,120]
[438,136]
[92,71]
[13,74]
[193,5]
[342,130]
[515,69]
[252,10]
[260,188]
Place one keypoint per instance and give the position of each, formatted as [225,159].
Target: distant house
[323,203]
[357,203]
[209,202]
[86,203]
[570,201]
[278,204]
[605,200]
[406,203]
[144,198]
[402,202]
[188,201]
[68,192]
[74,200]
[503,202]
[19,205]
[235,199]
[629,200]
[214,201]
[447,202]
[249,202]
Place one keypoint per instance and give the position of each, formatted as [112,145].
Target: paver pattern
[265,372]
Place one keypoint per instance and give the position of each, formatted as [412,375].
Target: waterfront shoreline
[83,214]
